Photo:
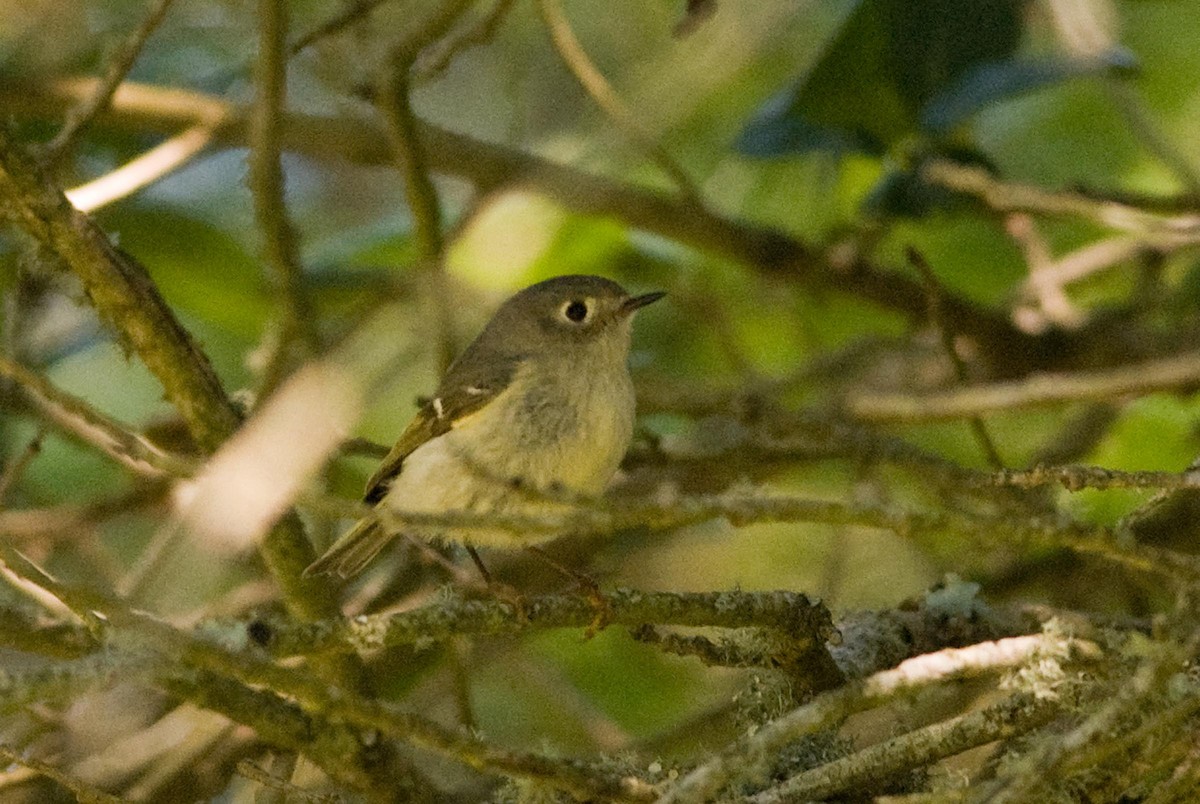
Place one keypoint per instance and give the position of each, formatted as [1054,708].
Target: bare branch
[1168,373]
[80,420]
[123,295]
[827,709]
[1013,716]
[143,170]
[803,621]
[298,336]
[1158,230]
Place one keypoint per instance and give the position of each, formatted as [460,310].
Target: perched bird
[537,410]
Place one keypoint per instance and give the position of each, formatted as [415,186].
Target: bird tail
[354,550]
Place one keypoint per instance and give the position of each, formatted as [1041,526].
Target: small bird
[538,409]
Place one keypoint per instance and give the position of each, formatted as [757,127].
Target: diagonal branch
[297,338]
[122,293]
[147,108]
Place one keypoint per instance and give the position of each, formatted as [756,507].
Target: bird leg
[479,565]
[587,584]
[500,590]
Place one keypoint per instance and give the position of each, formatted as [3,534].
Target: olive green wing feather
[472,382]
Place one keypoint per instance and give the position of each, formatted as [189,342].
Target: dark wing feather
[471,383]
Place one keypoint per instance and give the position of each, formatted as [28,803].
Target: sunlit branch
[830,708]
[143,170]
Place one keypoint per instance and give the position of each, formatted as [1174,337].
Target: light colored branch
[118,67]
[1159,231]
[1038,390]
[744,757]
[143,170]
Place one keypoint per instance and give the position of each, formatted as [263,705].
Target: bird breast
[556,429]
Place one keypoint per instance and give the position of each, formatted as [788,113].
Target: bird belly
[517,457]
[437,480]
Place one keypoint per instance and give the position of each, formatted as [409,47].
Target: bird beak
[637,302]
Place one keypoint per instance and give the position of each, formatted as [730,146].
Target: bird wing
[473,382]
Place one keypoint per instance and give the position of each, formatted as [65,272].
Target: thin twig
[1125,97]
[411,156]
[339,22]
[11,472]
[77,418]
[118,67]
[597,87]
[1168,373]
[395,105]
[434,62]
[144,169]
[297,338]
[946,337]
[1160,231]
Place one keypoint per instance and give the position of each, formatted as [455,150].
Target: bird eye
[576,311]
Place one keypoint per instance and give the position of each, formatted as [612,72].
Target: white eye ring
[576,311]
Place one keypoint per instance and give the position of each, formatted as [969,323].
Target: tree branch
[122,293]
[488,166]
[1168,373]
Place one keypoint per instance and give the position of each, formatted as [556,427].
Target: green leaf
[888,60]
[844,103]
[986,84]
